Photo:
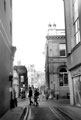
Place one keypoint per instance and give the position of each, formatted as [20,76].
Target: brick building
[21,80]
[72,10]
[56,61]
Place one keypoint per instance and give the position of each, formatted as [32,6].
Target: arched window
[63,77]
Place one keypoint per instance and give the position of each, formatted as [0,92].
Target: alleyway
[47,110]
[52,110]
[41,113]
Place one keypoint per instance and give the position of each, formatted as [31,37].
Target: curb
[27,113]
[16,113]
[23,113]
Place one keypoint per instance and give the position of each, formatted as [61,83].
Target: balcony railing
[56,32]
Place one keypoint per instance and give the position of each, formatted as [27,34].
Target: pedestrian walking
[15,98]
[36,95]
[30,95]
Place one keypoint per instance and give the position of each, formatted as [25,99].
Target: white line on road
[30,116]
[52,110]
[25,117]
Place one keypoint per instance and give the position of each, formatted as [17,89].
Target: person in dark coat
[30,95]
[15,99]
[36,95]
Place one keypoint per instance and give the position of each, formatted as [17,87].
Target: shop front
[77,90]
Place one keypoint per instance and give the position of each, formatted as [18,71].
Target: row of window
[62,49]
[63,75]
[76,22]
[5,11]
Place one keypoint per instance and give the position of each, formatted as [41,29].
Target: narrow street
[40,60]
[41,113]
[49,110]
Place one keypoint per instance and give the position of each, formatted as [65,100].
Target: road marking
[30,116]
[26,114]
[52,110]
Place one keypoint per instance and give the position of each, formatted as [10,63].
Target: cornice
[51,37]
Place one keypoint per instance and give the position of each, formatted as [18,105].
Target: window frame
[76,22]
[62,80]
[62,50]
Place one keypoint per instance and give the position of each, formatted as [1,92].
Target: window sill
[63,56]
[76,47]
[64,86]
[73,49]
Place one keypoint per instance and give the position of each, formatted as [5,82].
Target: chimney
[51,29]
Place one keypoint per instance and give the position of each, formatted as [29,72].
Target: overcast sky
[30,25]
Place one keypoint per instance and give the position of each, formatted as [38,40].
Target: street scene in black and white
[40,60]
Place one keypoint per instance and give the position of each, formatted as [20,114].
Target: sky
[30,26]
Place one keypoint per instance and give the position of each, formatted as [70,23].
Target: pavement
[14,114]
[17,113]
[73,111]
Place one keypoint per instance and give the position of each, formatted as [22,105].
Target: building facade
[72,10]
[20,81]
[16,82]
[35,78]
[31,75]
[56,62]
[6,53]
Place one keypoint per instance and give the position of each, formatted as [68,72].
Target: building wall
[54,61]
[79,9]
[68,24]
[5,55]
[54,77]
[74,58]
